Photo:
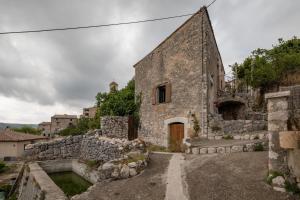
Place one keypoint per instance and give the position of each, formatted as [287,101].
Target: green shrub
[291,187]
[153,147]
[196,125]
[258,147]
[3,167]
[272,175]
[92,163]
[29,130]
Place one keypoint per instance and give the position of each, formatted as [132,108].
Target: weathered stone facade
[45,128]
[60,122]
[189,66]
[114,126]
[89,113]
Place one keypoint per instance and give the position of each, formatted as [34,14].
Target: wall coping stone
[52,191]
[277,94]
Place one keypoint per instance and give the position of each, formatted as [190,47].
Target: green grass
[3,167]
[70,182]
[92,163]
[258,147]
[227,137]
[272,175]
[153,147]
[135,158]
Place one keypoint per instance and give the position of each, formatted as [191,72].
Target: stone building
[89,112]
[12,144]
[45,127]
[60,122]
[178,82]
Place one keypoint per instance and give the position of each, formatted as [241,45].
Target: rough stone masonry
[93,147]
[189,66]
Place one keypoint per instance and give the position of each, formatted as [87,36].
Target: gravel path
[175,188]
[150,185]
[230,177]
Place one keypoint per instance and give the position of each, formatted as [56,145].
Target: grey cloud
[71,67]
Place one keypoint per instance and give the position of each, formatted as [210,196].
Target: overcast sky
[42,74]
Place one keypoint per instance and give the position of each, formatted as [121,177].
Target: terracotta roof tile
[8,135]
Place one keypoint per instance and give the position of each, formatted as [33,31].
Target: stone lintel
[277,94]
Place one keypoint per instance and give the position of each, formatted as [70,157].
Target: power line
[211,3]
[100,25]
[94,26]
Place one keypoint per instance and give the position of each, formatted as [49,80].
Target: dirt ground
[230,177]
[150,185]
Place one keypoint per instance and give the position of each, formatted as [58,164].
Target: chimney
[113,86]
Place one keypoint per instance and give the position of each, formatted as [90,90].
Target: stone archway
[232,110]
[182,120]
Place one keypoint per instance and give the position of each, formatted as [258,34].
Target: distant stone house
[89,113]
[45,128]
[12,144]
[178,82]
[60,122]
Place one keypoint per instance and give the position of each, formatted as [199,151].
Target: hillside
[12,125]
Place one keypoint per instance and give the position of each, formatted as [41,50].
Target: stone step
[227,146]
[246,136]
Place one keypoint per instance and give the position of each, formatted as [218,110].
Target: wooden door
[176,136]
[132,128]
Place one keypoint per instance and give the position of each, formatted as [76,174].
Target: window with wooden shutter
[154,96]
[168,92]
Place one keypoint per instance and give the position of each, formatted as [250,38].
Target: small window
[161,94]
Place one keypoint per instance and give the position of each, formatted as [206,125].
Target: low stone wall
[36,184]
[226,149]
[93,147]
[114,126]
[68,147]
[243,126]
[239,128]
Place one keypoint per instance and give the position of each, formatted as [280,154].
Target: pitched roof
[45,123]
[8,135]
[173,33]
[203,10]
[65,116]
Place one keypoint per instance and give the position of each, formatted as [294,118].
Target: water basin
[69,182]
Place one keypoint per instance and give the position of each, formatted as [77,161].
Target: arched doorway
[176,136]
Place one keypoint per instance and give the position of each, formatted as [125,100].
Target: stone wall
[243,126]
[239,128]
[114,126]
[294,106]
[36,184]
[68,147]
[93,147]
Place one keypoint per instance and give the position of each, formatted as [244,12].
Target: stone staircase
[222,146]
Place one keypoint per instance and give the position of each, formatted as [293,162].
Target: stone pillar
[277,121]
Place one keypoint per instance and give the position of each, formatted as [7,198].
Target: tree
[266,68]
[28,130]
[118,103]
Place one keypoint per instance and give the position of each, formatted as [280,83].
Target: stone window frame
[168,93]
